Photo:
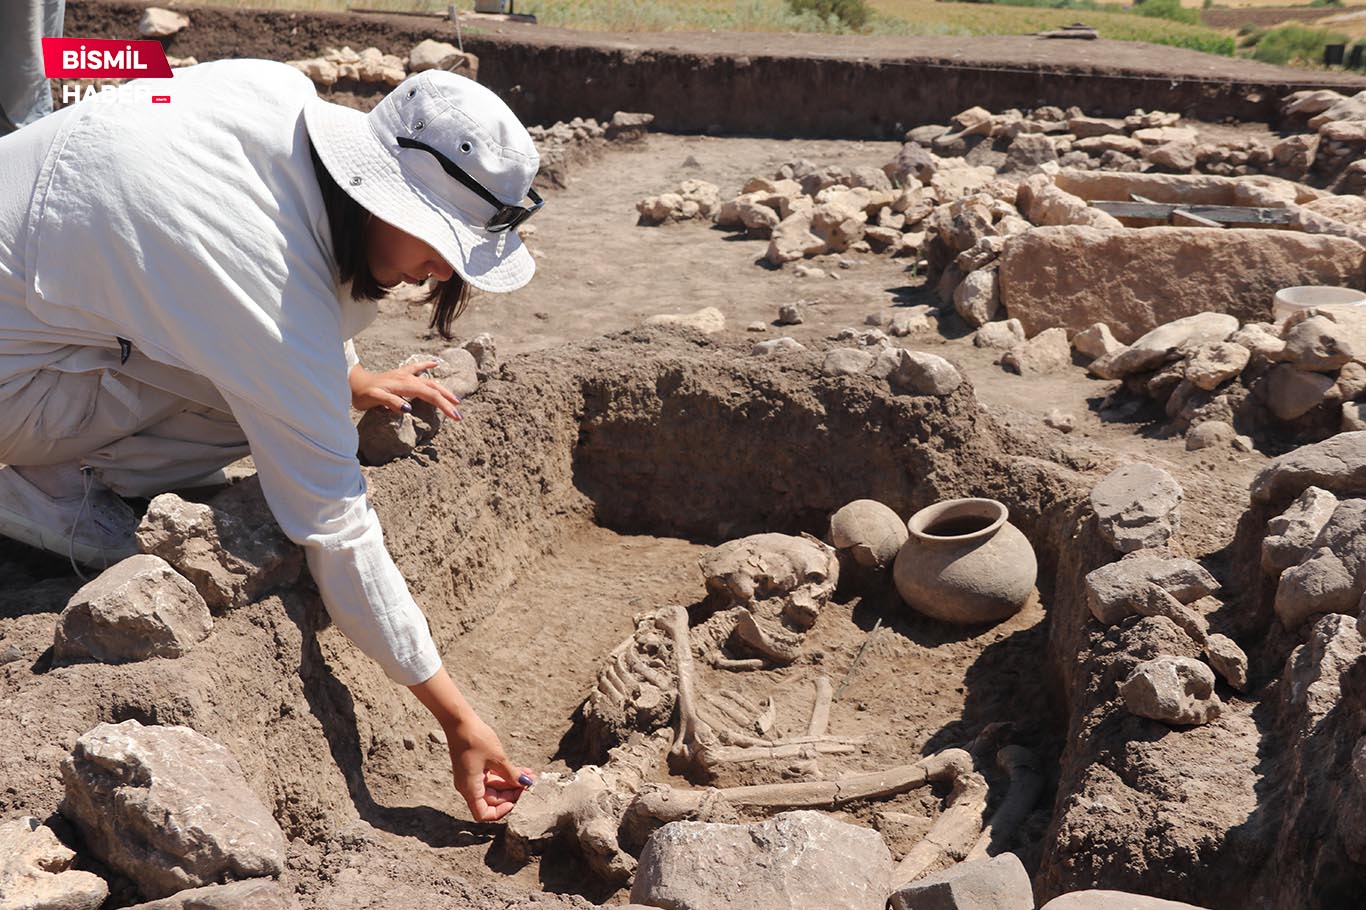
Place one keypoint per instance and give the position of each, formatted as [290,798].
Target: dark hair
[347,219]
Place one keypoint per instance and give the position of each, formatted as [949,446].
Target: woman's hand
[482,772]
[394,389]
[486,779]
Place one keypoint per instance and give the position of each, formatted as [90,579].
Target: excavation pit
[580,492]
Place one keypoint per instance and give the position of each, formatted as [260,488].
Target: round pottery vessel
[1289,301]
[965,563]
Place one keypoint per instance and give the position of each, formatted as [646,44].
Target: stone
[1259,338]
[1337,464]
[36,873]
[1292,393]
[1096,340]
[1352,381]
[134,610]
[1044,203]
[1046,352]
[911,320]
[1164,344]
[484,350]
[873,178]
[868,531]
[1353,417]
[457,371]
[1154,601]
[1113,900]
[978,299]
[1147,120]
[882,239]
[230,548]
[802,270]
[757,327]
[789,314]
[1162,135]
[919,373]
[1349,209]
[161,23]
[252,894]
[1210,434]
[1060,421]
[756,218]
[914,164]
[1029,151]
[796,860]
[1098,145]
[322,72]
[1177,157]
[1137,506]
[776,346]
[792,239]
[1211,364]
[168,808]
[998,883]
[1326,343]
[1228,660]
[432,54]
[1332,578]
[982,254]
[1309,102]
[1174,690]
[708,320]
[1049,275]
[838,225]
[1290,535]
[1348,108]
[386,436]
[1295,154]
[1004,335]
[846,362]
[1086,127]
[628,127]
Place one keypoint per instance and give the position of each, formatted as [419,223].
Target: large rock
[1114,591]
[231,549]
[1337,465]
[1174,690]
[253,894]
[796,860]
[920,373]
[386,435]
[136,609]
[1290,535]
[168,808]
[1113,900]
[1292,393]
[1165,343]
[1210,365]
[1332,579]
[1051,276]
[1137,506]
[36,873]
[999,883]
[432,54]
[1046,352]
[977,299]
[1327,342]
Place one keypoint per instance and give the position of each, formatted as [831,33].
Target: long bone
[953,834]
[1022,767]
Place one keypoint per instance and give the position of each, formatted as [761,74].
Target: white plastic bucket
[1291,300]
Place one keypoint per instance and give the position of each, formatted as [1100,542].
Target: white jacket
[196,230]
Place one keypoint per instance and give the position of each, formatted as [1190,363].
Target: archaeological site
[921,475]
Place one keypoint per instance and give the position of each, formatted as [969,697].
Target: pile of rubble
[1217,379]
[372,65]
[562,146]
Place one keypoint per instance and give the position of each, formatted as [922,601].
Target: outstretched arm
[483,774]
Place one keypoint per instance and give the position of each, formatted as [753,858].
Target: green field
[890,17]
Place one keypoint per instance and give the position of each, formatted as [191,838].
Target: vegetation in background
[852,14]
[1289,43]
[884,17]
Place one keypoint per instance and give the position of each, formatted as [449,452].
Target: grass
[1290,44]
[890,17]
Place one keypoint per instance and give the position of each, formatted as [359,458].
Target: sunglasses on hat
[507,217]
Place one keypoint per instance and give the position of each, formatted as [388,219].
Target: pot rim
[958,508]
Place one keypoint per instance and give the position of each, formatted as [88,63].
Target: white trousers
[140,439]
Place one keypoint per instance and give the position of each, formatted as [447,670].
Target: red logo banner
[101,58]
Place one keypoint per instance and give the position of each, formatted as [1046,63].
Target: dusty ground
[375,819]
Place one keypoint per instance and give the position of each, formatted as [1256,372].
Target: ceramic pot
[965,563]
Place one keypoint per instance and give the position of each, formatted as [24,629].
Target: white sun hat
[390,161]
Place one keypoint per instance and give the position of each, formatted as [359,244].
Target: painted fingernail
[407,408]
[458,415]
[525,780]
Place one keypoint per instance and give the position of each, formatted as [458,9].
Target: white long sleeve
[319,499]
